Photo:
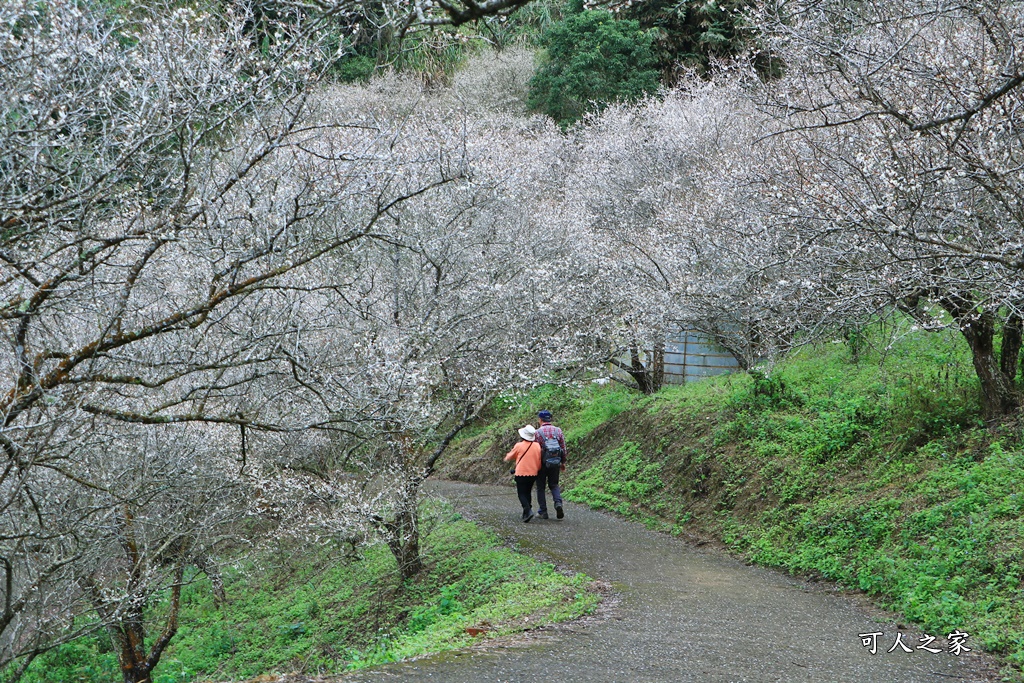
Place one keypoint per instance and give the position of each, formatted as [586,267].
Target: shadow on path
[685,615]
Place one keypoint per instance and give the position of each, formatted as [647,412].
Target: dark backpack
[550,451]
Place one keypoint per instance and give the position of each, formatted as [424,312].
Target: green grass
[578,409]
[876,473]
[308,610]
[621,479]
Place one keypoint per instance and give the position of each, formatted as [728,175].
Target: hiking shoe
[559,512]
[527,515]
[542,515]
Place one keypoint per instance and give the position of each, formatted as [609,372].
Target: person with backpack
[552,457]
[526,453]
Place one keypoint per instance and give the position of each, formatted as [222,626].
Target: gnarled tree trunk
[124,618]
[403,538]
[997,375]
[649,376]
[127,631]
[1009,356]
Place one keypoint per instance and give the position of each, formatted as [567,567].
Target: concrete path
[684,615]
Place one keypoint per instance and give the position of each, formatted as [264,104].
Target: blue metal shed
[690,355]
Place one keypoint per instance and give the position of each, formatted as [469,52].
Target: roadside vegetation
[862,461]
[320,610]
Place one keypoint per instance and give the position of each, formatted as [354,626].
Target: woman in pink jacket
[526,454]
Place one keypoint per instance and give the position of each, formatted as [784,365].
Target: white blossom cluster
[198,290]
[898,164]
[217,290]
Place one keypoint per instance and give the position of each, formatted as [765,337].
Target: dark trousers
[548,476]
[524,485]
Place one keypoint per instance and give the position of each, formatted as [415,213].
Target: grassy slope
[309,610]
[877,475]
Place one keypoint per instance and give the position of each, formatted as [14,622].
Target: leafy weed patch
[317,613]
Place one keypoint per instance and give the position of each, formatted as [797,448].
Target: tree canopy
[592,59]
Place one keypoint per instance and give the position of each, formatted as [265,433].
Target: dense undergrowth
[874,472]
[307,609]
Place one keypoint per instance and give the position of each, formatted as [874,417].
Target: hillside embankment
[873,471]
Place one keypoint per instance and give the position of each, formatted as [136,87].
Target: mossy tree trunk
[402,532]
[124,618]
[648,376]
[997,373]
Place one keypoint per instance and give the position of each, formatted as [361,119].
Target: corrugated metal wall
[690,356]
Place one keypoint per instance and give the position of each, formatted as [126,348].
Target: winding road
[682,614]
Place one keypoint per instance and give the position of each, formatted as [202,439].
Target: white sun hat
[527,432]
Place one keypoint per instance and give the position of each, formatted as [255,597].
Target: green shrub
[354,68]
[590,60]
[695,33]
